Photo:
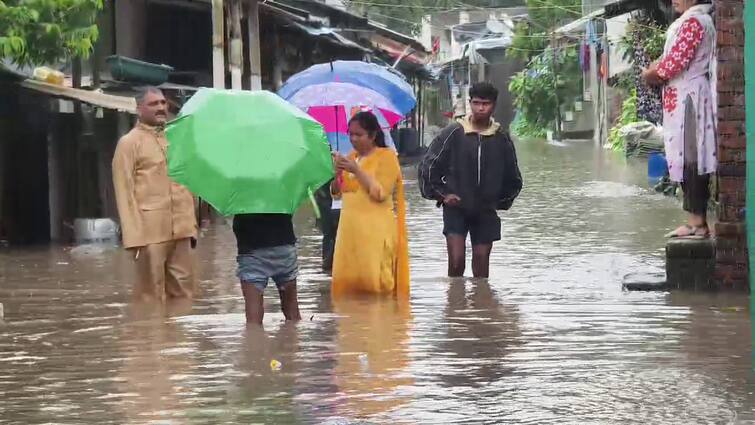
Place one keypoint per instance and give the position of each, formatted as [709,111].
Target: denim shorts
[259,266]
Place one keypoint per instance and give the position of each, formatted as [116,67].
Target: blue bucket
[657,167]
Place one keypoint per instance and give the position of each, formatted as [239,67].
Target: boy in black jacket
[471,169]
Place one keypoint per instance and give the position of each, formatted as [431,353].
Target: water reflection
[268,362]
[154,354]
[371,346]
[480,333]
[550,338]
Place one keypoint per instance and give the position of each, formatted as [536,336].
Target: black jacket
[479,167]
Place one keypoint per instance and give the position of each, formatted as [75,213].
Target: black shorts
[484,227]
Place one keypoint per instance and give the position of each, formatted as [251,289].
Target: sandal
[702,232]
[682,232]
[690,232]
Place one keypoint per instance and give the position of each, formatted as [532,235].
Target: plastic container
[127,69]
[88,230]
[48,75]
[657,167]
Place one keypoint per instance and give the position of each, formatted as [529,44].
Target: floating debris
[275,365]
[723,309]
[364,361]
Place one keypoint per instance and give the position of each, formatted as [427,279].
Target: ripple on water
[550,338]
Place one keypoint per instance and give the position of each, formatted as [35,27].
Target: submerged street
[550,338]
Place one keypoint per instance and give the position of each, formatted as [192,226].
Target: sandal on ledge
[689,232]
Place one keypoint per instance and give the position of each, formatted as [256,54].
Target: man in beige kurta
[157,216]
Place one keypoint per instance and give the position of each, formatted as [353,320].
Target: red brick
[729,185]
[730,213]
[735,128]
[736,199]
[730,155]
[731,169]
[735,244]
[732,285]
[731,113]
[731,70]
[724,229]
[730,274]
[732,85]
[729,9]
[730,141]
[731,257]
[731,270]
[730,54]
[731,99]
[728,39]
[738,275]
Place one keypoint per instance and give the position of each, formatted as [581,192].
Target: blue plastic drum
[657,167]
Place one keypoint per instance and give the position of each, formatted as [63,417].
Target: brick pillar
[731,238]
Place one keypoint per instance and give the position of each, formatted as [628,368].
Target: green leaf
[44,31]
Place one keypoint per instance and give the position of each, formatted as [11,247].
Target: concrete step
[645,282]
[690,264]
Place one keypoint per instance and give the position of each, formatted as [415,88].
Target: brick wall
[731,242]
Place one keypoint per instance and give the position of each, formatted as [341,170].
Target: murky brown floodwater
[551,338]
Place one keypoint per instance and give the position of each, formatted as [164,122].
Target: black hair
[368,121]
[484,90]
[144,92]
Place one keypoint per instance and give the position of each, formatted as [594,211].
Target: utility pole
[557,132]
[218,45]
[236,61]
[255,64]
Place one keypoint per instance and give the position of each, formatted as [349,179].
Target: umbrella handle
[338,139]
[339,180]
[318,214]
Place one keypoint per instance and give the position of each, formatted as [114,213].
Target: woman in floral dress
[687,71]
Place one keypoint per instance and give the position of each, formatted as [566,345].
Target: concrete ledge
[645,282]
[577,134]
[690,264]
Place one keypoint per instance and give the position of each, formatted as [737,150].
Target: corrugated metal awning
[579,24]
[327,34]
[96,98]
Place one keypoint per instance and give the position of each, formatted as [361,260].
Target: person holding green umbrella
[267,250]
[254,156]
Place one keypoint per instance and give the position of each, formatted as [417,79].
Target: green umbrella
[247,152]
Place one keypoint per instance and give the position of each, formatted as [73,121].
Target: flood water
[550,338]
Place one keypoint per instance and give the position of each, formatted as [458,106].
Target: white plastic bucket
[87,230]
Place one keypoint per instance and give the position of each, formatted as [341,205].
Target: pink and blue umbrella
[380,79]
[335,122]
[332,92]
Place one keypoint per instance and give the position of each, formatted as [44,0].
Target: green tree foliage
[527,42]
[533,89]
[34,32]
[653,38]
[406,15]
[533,36]
[628,116]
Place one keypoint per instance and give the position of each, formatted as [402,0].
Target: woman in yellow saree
[371,254]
